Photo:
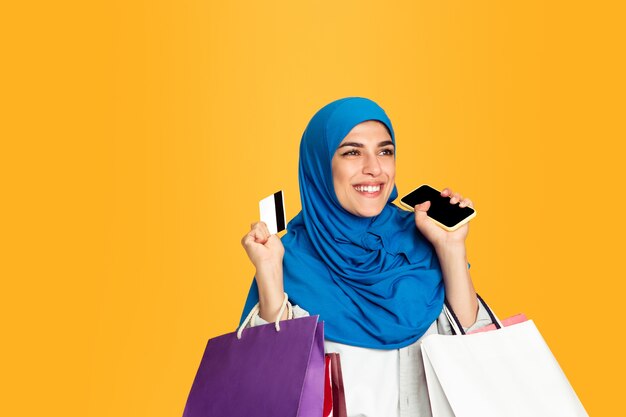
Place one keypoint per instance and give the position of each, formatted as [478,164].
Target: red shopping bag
[334,394]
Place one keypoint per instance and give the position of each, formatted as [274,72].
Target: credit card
[272,210]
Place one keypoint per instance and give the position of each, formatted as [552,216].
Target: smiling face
[364,169]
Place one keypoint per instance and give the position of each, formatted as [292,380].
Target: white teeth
[367,188]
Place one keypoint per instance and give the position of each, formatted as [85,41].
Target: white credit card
[272,210]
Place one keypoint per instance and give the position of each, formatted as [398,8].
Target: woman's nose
[371,165]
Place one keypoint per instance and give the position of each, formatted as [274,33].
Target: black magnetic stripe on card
[280,211]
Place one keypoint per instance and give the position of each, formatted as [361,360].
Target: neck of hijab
[375,281]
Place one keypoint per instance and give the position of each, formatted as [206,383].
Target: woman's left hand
[439,237]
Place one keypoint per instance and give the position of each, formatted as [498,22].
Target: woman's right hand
[266,252]
[264,249]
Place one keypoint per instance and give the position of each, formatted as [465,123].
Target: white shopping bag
[509,372]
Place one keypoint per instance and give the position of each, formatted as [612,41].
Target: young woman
[376,274]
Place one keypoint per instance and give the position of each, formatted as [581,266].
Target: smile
[369,190]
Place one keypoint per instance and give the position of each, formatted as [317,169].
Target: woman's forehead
[371,130]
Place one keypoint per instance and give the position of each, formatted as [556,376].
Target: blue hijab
[375,281]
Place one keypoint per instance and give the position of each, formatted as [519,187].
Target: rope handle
[255,312]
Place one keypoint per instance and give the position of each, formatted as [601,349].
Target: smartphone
[448,216]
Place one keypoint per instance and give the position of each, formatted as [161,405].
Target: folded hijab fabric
[375,281]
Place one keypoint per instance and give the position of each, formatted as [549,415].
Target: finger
[265,229]
[258,235]
[455,198]
[262,237]
[423,206]
[247,240]
[446,192]
[261,229]
[466,203]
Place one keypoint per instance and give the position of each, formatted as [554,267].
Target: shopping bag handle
[455,323]
[255,311]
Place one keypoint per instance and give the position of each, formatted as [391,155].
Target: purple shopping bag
[266,373]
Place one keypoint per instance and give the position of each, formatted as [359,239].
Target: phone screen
[440,207]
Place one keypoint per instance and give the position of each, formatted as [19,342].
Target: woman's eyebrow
[360,145]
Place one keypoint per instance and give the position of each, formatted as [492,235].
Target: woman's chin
[364,206]
[368,211]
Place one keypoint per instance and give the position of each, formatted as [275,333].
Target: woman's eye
[356,152]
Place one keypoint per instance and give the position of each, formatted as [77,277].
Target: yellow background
[138,137]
